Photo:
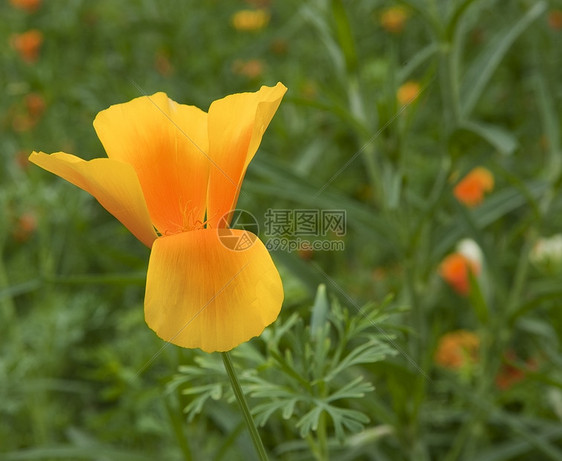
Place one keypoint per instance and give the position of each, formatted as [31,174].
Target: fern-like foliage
[303,372]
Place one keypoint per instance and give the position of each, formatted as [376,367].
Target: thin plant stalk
[258,444]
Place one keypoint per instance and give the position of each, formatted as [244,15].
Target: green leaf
[317,20]
[422,11]
[319,312]
[352,420]
[202,394]
[369,352]
[353,390]
[415,61]
[94,452]
[345,37]
[502,140]
[477,299]
[20,289]
[455,17]
[480,72]
[550,123]
[288,368]
[525,443]
[309,422]
[264,411]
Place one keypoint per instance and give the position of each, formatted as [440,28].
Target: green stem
[449,88]
[244,406]
[173,408]
[322,433]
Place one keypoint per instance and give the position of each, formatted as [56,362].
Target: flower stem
[244,406]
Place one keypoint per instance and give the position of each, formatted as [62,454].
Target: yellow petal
[200,293]
[236,126]
[114,184]
[166,143]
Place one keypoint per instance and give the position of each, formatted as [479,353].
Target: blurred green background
[82,377]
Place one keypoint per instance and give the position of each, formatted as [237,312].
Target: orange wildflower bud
[470,190]
[247,20]
[306,254]
[279,46]
[555,19]
[25,226]
[28,5]
[455,269]
[28,44]
[21,161]
[394,18]
[252,68]
[457,349]
[408,92]
[163,65]
[35,105]
[509,374]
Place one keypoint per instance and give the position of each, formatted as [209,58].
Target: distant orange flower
[509,374]
[379,274]
[455,269]
[28,44]
[26,118]
[470,190]
[394,18]
[457,349]
[408,92]
[23,122]
[306,253]
[555,19]
[252,68]
[25,226]
[21,159]
[35,104]
[163,65]
[249,20]
[27,5]
[279,46]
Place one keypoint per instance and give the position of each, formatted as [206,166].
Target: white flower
[547,251]
[470,250]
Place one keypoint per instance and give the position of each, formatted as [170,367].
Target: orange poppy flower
[28,44]
[173,173]
[457,349]
[455,269]
[408,92]
[249,20]
[394,18]
[470,189]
